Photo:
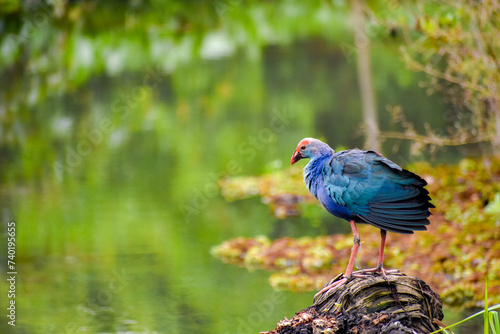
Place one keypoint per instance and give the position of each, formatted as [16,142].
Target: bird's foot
[338,280]
[328,288]
[341,278]
[378,269]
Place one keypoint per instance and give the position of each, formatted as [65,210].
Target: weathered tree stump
[370,304]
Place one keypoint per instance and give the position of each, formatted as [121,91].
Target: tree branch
[435,140]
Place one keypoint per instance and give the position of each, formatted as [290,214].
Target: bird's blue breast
[314,181]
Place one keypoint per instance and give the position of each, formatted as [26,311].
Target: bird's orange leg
[350,265]
[383,236]
[380,267]
[354,251]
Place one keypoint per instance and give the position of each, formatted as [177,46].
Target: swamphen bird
[364,187]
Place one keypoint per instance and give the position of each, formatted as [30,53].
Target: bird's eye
[303,147]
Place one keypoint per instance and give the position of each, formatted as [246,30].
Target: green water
[116,126]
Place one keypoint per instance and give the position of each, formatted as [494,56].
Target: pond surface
[110,170]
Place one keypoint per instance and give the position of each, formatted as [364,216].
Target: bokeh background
[119,118]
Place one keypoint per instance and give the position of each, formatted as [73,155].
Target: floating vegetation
[282,191]
[458,252]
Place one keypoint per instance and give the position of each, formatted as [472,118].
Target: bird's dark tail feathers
[402,206]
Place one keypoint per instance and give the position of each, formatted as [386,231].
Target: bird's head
[309,148]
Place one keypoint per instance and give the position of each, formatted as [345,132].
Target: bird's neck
[319,159]
[313,170]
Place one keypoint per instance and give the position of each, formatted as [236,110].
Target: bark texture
[370,304]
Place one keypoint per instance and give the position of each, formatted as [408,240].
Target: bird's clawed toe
[328,288]
[378,270]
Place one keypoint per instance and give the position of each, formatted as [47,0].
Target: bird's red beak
[296,157]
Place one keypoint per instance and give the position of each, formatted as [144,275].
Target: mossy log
[370,304]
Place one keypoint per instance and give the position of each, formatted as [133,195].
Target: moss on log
[370,304]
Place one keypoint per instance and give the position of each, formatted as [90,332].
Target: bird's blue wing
[352,181]
[377,191]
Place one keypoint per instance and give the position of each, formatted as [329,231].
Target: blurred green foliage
[456,45]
